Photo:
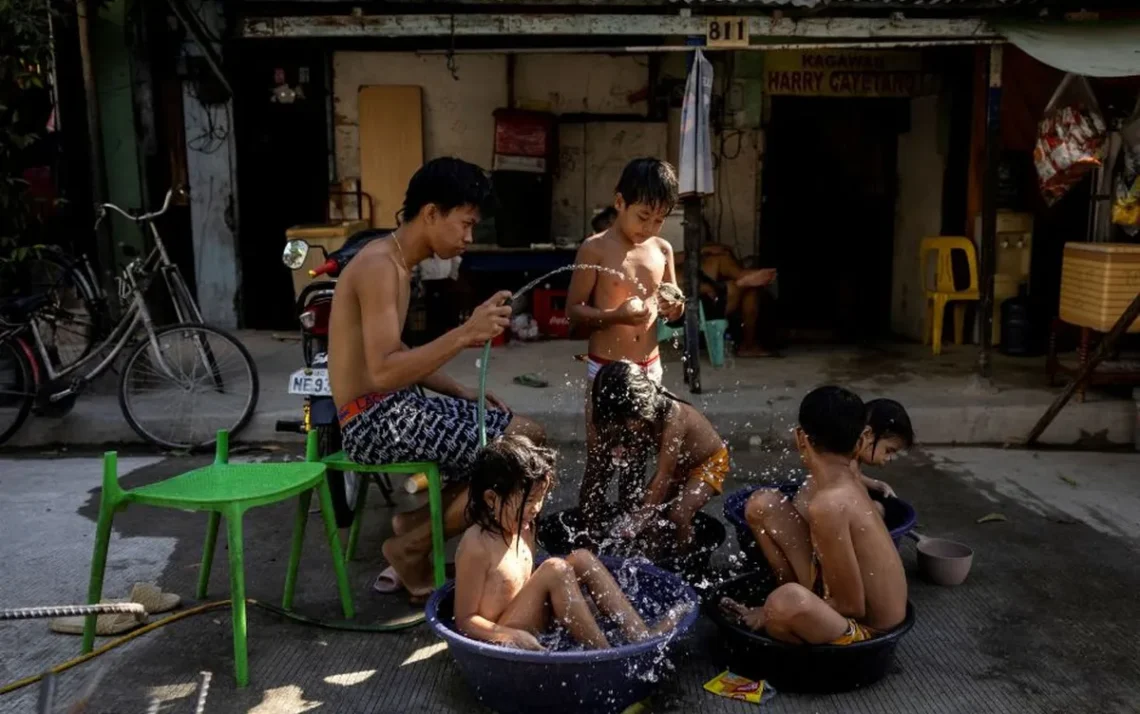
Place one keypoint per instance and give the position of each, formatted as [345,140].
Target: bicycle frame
[158,260]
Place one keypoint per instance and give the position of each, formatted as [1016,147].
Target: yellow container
[1098,282]
[327,236]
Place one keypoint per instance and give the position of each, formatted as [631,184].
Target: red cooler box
[550,313]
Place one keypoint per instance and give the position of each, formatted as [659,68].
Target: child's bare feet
[751,617]
[669,620]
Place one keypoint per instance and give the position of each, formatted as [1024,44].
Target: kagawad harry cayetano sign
[846,73]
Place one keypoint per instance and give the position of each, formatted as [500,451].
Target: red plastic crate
[550,313]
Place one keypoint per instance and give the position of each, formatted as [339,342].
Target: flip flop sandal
[105,625]
[531,380]
[150,596]
[388,582]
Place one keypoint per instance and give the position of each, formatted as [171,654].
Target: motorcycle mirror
[295,253]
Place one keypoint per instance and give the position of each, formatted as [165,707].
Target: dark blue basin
[797,668]
[510,680]
[900,517]
[561,532]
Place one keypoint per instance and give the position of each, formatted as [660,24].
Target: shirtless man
[622,313]
[843,577]
[383,419]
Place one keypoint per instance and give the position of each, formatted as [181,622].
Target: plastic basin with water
[561,532]
[797,668]
[593,681]
[900,517]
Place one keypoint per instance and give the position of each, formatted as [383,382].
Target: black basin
[796,668]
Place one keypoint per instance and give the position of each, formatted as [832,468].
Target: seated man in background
[735,291]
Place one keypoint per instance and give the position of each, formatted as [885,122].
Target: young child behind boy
[500,597]
[890,433]
[621,313]
[843,579]
[692,459]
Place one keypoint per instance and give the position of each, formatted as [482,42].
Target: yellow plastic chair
[943,291]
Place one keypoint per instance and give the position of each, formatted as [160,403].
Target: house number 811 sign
[727,32]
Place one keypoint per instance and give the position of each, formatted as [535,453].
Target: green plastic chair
[229,490]
[340,462]
[714,335]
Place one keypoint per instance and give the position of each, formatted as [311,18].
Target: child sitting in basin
[500,597]
[890,433]
[639,415]
[843,579]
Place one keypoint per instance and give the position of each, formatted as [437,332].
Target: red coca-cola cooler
[524,141]
[550,313]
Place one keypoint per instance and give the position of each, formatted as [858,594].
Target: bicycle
[164,356]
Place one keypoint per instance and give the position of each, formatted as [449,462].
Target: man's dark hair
[833,418]
[622,392]
[888,418]
[604,219]
[508,465]
[649,181]
[448,183]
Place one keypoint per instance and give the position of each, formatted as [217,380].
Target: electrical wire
[395,625]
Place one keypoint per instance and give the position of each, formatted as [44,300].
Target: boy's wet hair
[448,183]
[604,219]
[622,392]
[888,418]
[506,466]
[652,182]
[833,418]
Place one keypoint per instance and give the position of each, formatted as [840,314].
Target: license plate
[310,382]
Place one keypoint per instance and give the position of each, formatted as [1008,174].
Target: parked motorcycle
[319,412]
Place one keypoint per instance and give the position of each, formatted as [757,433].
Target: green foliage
[25,57]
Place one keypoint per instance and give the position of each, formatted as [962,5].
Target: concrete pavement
[1045,623]
[748,398]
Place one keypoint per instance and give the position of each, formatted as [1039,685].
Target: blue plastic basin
[510,680]
[900,517]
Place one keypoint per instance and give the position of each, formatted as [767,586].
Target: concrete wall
[458,122]
[918,214]
[211,168]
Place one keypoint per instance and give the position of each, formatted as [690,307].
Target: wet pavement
[1045,623]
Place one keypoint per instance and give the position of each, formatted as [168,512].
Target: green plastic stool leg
[435,500]
[334,545]
[108,502]
[714,335]
[357,517]
[208,554]
[295,552]
[237,593]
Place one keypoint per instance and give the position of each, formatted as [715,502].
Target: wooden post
[987,242]
[1103,349]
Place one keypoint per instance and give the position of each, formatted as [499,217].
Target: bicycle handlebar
[103,207]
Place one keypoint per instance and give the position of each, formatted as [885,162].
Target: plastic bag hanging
[1070,138]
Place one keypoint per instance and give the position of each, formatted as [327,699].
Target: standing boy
[621,312]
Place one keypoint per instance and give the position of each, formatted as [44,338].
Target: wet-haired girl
[634,412]
[500,597]
[890,434]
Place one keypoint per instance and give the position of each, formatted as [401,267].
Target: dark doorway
[283,169]
[830,185]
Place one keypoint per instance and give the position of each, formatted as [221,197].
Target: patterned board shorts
[409,426]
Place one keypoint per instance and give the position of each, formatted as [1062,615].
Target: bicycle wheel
[198,380]
[17,388]
[76,319]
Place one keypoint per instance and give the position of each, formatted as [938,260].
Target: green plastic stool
[229,490]
[340,462]
[714,335]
